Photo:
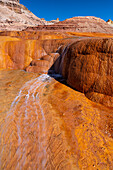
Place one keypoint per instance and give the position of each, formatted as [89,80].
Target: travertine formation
[62,120]
[47,125]
[18,53]
[87,65]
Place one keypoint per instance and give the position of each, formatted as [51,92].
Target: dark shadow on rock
[57,75]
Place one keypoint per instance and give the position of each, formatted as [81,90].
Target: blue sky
[62,9]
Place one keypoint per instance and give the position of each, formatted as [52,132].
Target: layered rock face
[79,24]
[15,16]
[87,65]
[87,24]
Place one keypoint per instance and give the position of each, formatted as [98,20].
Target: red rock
[42,65]
[61,49]
[47,58]
[87,66]
[54,56]
[17,53]
[39,63]
[38,66]
[45,124]
[37,69]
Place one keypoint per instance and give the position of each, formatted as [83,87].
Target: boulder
[37,69]
[47,58]
[39,63]
[43,64]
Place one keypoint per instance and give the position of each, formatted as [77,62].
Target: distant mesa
[76,24]
[50,22]
[53,21]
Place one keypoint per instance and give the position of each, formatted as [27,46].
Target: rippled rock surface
[47,125]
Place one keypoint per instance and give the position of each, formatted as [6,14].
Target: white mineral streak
[26,115]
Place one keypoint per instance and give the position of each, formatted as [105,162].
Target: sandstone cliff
[14,16]
[87,24]
[78,24]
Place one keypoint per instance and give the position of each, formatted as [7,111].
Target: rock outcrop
[78,24]
[87,65]
[50,22]
[14,16]
[43,64]
[110,22]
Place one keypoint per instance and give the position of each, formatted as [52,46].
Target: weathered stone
[17,53]
[15,16]
[87,24]
[88,67]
